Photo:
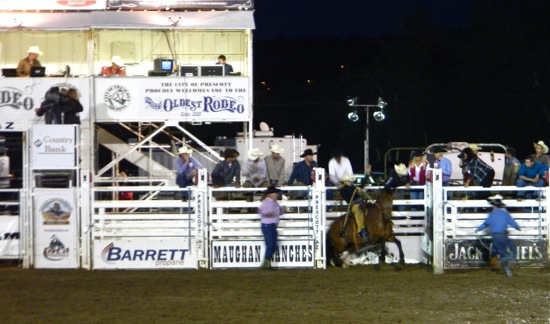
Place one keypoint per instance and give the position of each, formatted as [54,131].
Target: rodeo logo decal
[15,98]
[56,211]
[56,251]
[117,97]
[195,108]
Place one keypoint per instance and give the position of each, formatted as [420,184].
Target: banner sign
[180,4]
[191,99]
[145,253]
[250,254]
[67,5]
[56,237]
[475,253]
[9,237]
[53,146]
[20,96]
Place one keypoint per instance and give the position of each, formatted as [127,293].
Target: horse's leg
[401,254]
[382,256]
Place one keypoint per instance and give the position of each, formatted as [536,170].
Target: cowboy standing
[270,211]
[498,221]
[186,169]
[275,165]
[255,172]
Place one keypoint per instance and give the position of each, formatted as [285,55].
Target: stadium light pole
[378,116]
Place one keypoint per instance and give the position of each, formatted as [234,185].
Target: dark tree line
[489,82]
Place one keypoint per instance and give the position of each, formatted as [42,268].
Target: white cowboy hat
[276,149]
[401,169]
[35,50]
[475,147]
[185,150]
[117,60]
[496,200]
[347,177]
[254,153]
[544,146]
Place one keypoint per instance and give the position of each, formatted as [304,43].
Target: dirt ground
[356,295]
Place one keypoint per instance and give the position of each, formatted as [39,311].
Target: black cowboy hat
[307,152]
[439,150]
[272,189]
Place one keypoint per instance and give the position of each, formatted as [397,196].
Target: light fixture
[352,101]
[353,116]
[379,115]
[381,103]
[174,22]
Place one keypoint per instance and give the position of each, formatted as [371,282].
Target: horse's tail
[329,249]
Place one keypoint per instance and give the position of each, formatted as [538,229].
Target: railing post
[438,221]
[318,214]
[202,218]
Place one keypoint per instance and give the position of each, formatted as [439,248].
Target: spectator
[302,173]
[511,167]
[186,169]
[31,61]
[226,67]
[338,167]
[71,107]
[270,211]
[255,172]
[540,156]
[417,175]
[498,220]
[478,172]
[444,164]
[227,173]
[275,165]
[51,107]
[530,173]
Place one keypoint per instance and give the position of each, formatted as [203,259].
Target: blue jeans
[416,194]
[183,183]
[270,238]
[503,247]
[528,194]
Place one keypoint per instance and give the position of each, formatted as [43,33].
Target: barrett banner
[56,237]
[475,253]
[146,253]
[187,99]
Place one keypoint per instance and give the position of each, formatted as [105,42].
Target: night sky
[475,71]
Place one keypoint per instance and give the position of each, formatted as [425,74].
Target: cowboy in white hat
[355,197]
[498,221]
[275,165]
[254,171]
[31,61]
[186,169]
[541,150]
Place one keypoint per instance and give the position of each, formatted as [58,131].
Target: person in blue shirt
[498,221]
[226,67]
[530,173]
[444,164]
[302,173]
[186,169]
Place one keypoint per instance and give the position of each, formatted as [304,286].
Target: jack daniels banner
[180,4]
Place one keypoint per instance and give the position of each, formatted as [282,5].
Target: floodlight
[381,103]
[379,116]
[352,101]
[353,116]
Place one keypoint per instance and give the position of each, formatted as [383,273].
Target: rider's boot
[364,235]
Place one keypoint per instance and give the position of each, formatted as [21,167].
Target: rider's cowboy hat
[35,50]
[544,146]
[254,154]
[276,149]
[401,169]
[347,177]
[307,152]
[496,200]
[272,189]
[185,150]
[475,147]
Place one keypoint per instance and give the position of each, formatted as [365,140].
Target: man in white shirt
[338,167]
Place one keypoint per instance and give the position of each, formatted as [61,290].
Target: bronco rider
[355,197]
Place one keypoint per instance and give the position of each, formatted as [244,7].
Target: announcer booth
[131,126]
